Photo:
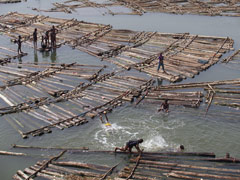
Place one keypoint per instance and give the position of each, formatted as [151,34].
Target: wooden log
[187,166]
[23,175]
[47,176]
[109,171]
[82,165]
[12,153]
[44,165]
[17,177]
[49,148]
[81,173]
[133,170]
[227,160]
[203,175]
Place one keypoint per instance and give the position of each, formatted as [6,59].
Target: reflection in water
[45,54]
[20,59]
[35,57]
[53,55]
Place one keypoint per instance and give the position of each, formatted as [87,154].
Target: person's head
[53,27]
[166,101]
[19,37]
[35,29]
[181,147]
[140,140]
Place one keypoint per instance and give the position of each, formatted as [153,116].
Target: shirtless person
[164,106]
[130,144]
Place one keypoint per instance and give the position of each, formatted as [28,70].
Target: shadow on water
[53,55]
[35,57]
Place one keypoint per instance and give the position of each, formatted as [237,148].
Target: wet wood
[11,153]
[185,55]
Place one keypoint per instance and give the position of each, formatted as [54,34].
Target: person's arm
[161,108]
[138,149]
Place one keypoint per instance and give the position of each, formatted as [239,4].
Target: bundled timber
[146,166]
[51,86]
[185,55]
[225,95]
[54,169]
[164,167]
[190,99]
[139,7]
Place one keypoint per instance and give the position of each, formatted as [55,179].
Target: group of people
[45,43]
[45,39]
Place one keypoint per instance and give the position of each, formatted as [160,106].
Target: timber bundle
[61,95]
[185,55]
[139,7]
[224,93]
[145,166]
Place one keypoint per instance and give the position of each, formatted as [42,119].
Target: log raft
[148,165]
[139,7]
[185,55]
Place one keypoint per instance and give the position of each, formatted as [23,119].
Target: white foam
[154,143]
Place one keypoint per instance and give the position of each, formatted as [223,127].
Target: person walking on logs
[164,106]
[35,38]
[129,145]
[160,63]
[19,43]
[54,32]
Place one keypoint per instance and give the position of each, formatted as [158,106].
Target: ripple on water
[149,126]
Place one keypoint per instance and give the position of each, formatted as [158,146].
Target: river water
[217,132]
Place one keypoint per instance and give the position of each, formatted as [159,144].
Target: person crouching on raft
[130,144]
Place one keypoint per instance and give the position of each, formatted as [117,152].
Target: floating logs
[54,97]
[164,167]
[185,55]
[139,7]
[146,166]
[54,169]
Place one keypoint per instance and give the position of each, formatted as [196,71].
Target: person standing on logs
[164,106]
[35,38]
[160,63]
[47,38]
[19,43]
[43,45]
[54,32]
[129,145]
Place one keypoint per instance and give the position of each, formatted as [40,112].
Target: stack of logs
[59,170]
[61,95]
[185,55]
[181,165]
[139,7]
[143,166]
